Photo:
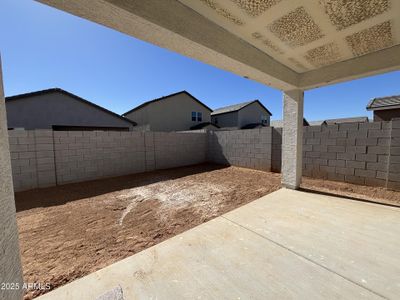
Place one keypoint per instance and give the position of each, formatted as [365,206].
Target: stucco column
[10,263]
[292,139]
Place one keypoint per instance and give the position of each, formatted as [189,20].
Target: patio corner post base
[10,261]
[292,139]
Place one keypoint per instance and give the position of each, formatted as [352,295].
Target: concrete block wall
[42,158]
[87,155]
[150,158]
[393,176]
[365,153]
[45,161]
[355,153]
[243,148]
[177,149]
[276,159]
[32,158]
[23,159]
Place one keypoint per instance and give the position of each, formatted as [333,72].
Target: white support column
[292,140]
[10,263]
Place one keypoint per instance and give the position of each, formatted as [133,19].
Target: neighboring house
[60,110]
[346,120]
[175,112]
[279,123]
[246,114]
[385,108]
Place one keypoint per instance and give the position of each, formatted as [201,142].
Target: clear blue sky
[42,47]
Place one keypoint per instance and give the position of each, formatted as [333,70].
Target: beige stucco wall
[170,114]
[226,120]
[252,114]
[237,119]
[386,115]
[45,110]
[10,270]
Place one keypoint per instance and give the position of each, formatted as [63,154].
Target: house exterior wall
[252,114]
[226,120]
[43,111]
[237,119]
[10,270]
[170,114]
[386,114]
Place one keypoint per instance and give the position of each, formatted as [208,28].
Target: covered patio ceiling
[286,44]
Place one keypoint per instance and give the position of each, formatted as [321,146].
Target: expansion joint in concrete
[305,257]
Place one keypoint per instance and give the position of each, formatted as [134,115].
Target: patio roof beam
[367,65]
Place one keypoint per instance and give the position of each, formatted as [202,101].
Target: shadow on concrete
[62,194]
[333,194]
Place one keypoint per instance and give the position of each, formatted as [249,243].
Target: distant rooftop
[316,123]
[279,123]
[389,102]
[237,107]
[346,120]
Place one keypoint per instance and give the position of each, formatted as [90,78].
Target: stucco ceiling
[287,44]
[306,35]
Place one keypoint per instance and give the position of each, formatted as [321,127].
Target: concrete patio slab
[286,245]
[357,240]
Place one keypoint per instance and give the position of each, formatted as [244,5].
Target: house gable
[56,107]
[241,114]
[170,113]
[253,113]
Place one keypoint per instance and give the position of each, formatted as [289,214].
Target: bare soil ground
[69,231]
[353,191]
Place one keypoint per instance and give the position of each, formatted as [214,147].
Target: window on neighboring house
[193,116]
[216,121]
[199,117]
[264,119]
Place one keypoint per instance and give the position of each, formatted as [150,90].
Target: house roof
[346,120]
[202,125]
[165,97]
[316,123]
[381,103]
[61,91]
[237,107]
[279,123]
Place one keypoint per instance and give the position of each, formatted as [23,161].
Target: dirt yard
[352,191]
[69,231]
